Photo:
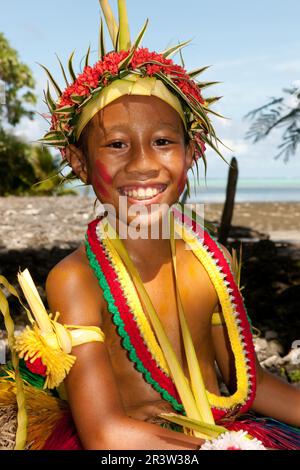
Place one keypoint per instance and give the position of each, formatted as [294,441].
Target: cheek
[101,176]
[103,173]
[97,183]
[182,181]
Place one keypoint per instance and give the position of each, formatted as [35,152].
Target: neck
[149,245]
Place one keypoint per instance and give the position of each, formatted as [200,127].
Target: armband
[46,345]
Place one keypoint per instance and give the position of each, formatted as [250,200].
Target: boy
[136,139]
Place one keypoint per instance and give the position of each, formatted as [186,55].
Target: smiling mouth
[142,193]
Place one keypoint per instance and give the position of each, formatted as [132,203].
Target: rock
[272,361]
[293,357]
[274,347]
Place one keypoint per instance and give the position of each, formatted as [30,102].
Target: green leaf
[181,59]
[194,73]
[53,135]
[198,111]
[124,63]
[174,49]
[65,110]
[85,101]
[202,85]
[63,70]
[49,99]
[78,99]
[70,67]
[117,40]
[124,34]
[211,111]
[140,35]
[213,99]
[110,20]
[211,430]
[86,63]
[101,51]
[210,143]
[55,85]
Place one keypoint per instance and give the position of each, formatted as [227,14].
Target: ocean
[248,190]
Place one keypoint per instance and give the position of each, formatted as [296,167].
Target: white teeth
[149,192]
[142,193]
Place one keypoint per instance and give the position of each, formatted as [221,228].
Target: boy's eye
[116,145]
[161,142]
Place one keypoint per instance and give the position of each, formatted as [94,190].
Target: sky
[252,47]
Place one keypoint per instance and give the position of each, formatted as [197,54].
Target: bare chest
[199,299]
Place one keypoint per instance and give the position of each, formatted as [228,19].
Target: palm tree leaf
[55,85]
[213,146]
[202,85]
[110,20]
[174,49]
[101,51]
[213,99]
[124,33]
[194,73]
[70,67]
[65,110]
[49,99]
[63,70]
[86,63]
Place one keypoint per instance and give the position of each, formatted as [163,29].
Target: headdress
[128,69]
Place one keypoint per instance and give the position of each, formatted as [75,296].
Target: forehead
[135,110]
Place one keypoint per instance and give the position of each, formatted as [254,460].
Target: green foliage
[23,166]
[294,375]
[18,81]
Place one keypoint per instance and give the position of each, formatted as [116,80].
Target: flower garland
[142,346]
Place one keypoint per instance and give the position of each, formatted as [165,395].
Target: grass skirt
[51,427]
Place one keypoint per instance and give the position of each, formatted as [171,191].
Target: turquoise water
[248,190]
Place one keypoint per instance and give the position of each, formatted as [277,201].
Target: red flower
[36,367]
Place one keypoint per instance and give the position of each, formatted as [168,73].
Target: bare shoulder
[73,290]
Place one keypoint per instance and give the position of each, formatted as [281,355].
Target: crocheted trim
[232,308]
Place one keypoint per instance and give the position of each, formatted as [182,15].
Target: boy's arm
[92,391]
[276,398]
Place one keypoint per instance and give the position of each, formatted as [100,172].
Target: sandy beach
[47,222]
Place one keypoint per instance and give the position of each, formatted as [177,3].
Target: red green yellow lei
[134,329]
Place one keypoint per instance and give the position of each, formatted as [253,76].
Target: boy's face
[136,149]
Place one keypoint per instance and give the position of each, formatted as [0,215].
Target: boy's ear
[189,154]
[77,161]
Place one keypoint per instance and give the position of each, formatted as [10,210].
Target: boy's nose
[142,163]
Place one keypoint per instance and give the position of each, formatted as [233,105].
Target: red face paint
[182,182]
[103,173]
[101,177]
[99,186]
